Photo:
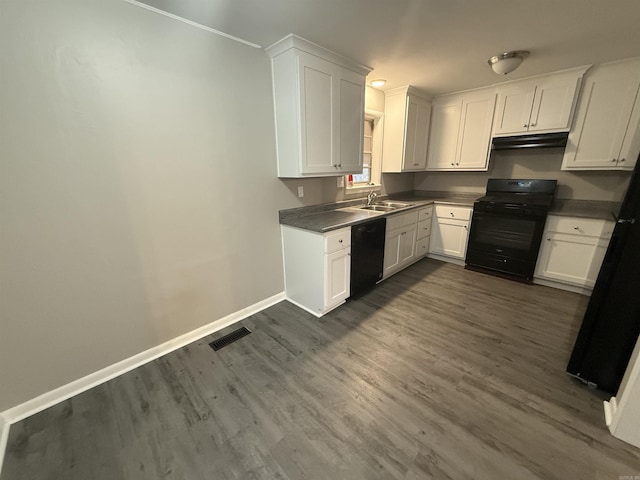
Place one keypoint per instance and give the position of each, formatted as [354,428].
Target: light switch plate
[340,182]
[300,191]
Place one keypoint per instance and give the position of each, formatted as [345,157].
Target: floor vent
[230,338]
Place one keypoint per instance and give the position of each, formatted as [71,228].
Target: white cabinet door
[474,139]
[406,130]
[605,130]
[391,252]
[443,139]
[631,145]
[570,259]
[538,105]
[449,237]
[417,134]
[317,99]
[514,109]
[351,120]
[572,250]
[553,104]
[337,277]
[407,248]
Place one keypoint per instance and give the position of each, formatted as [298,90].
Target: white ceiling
[436,45]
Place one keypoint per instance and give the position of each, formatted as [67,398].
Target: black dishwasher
[367,255]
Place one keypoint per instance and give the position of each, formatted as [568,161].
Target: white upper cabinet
[606,133]
[460,136]
[539,105]
[319,109]
[406,130]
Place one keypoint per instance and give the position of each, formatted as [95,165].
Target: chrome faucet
[371,197]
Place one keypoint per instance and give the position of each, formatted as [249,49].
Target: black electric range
[507,226]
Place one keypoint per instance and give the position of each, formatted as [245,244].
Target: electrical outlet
[340,182]
[300,191]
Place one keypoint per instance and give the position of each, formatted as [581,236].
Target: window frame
[376,156]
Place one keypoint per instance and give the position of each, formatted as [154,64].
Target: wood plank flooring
[437,373]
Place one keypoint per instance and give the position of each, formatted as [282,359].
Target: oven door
[504,241]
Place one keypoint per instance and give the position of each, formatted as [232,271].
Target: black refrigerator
[611,323]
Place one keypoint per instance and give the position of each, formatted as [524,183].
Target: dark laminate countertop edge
[332,216]
[596,209]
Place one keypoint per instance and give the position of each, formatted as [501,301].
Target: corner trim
[57,395]
[4,437]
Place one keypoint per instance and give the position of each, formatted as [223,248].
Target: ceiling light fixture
[507,62]
[378,83]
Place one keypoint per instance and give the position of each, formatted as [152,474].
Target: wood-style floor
[437,373]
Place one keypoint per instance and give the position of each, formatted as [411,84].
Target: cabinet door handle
[576,228]
[339,165]
[533,125]
[466,228]
[451,213]
[452,164]
[340,241]
[548,239]
[622,159]
[613,160]
[525,125]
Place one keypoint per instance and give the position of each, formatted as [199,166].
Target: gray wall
[538,163]
[138,189]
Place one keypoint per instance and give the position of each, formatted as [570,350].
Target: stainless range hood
[544,140]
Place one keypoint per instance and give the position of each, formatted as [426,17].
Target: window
[365,177]
[370,177]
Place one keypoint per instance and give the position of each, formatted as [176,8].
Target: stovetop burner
[518,193]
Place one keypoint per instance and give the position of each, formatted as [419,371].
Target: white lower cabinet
[450,231]
[406,240]
[572,250]
[400,242]
[317,268]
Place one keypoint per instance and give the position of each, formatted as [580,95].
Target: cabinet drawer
[401,220]
[425,213]
[448,211]
[590,227]
[337,240]
[424,228]
[422,247]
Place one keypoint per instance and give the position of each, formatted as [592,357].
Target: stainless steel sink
[391,203]
[378,208]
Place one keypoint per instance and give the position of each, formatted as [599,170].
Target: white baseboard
[316,314]
[4,437]
[563,286]
[610,408]
[444,258]
[83,384]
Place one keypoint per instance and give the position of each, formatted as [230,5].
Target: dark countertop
[585,208]
[332,216]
